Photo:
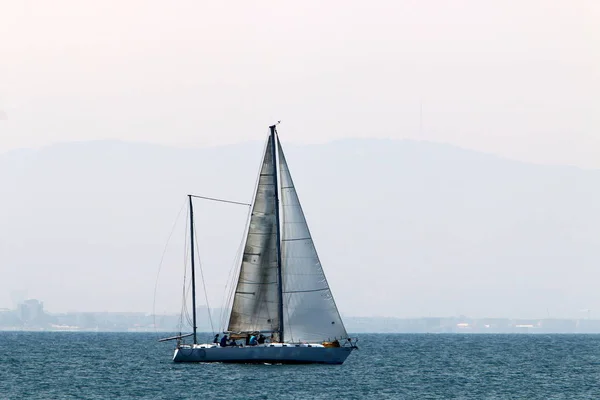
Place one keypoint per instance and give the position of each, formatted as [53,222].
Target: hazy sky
[518,78]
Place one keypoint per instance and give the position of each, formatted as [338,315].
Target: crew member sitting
[224,341]
[252,341]
[261,339]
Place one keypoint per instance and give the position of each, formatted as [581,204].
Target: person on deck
[261,339]
[216,339]
[224,341]
[252,341]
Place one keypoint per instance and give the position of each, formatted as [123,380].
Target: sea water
[73,365]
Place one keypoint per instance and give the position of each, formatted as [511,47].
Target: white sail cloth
[309,310]
[256,295]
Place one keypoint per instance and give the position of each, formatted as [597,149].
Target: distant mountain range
[403,228]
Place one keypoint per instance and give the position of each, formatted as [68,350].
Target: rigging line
[221,200]
[186,289]
[161,264]
[203,282]
[187,285]
[184,306]
[183,309]
[232,269]
[187,311]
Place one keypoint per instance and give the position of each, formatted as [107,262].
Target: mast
[193,267]
[278,228]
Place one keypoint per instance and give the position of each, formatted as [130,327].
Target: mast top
[272,127]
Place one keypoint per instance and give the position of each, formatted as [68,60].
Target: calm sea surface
[62,365]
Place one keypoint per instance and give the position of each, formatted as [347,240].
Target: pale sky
[520,78]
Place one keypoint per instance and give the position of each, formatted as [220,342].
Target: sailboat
[281,291]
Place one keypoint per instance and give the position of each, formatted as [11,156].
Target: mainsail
[255,302]
[310,313]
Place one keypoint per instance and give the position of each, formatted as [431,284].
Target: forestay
[310,313]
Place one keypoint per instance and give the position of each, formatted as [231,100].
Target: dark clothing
[216,339]
[261,339]
[224,341]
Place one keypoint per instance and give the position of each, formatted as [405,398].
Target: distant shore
[143,322]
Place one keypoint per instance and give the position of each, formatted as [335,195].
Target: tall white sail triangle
[309,310]
[256,298]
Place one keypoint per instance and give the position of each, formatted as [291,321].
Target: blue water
[62,365]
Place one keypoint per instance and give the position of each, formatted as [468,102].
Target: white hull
[274,354]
